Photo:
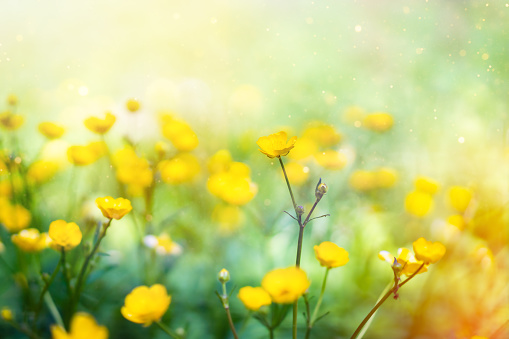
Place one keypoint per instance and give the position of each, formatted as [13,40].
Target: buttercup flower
[229,217]
[362,180]
[286,285]
[456,220]
[182,168]
[323,134]
[100,126]
[162,244]
[15,217]
[331,159]
[11,121]
[12,100]
[427,251]
[254,297]
[385,177]
[85,155]
[275,145]
[378,122]
[297,174]
[64,235]
[30,240]
[418,203]
[223,276]
[132,105]
[51,130]
[113,208]
[330,255]
[426,185]
[6,314]
[41,171]
[405,259]
[83,326]
[234,185]
[145,305]
[460,197]
[180,134]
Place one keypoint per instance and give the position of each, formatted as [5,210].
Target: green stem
[64,271]
[288,184]
[230,322]
[53,309]
[378,304]
[45,289]
[317,307]
[167,330]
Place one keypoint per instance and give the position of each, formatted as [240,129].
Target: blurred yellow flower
[304,147]
[51,130]
[5,188]
[145,305]
[83,326]
[427,251]
[409,265]
[30,240]
[219,162]
[229,217]
[133,170]
[41,171]
[11,121]
[385,177]
[132,105]
[330,255]
[460,197]
[7,314]
[162,244]
[426,185]
[12,100]
[286,285]
[15,217]
[457,220]
[161,148]
[86,155]
[98,125]
[233,186]
[180,134]
[254,297]
[362,180]
[378,122]
[418,203]
[182,168]
[113,208]
[331,159]
[324,135]
[275,145]
[64,235]
[297,174]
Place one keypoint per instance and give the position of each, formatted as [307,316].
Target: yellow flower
[41,171]
[304,147]
[385,177]
[275,145]
[6,314]
[30,240]
[426,185]
[406,259]
[11,121]
[460,197]
[223,276]
[132,105]
[254,297]
[182,168]
[51,130]
[132,170]
[100,126]
[297,174]
[113,208]
[330,255]
[162,244]
[378,122]
[427,251]
[15,217]
[229,217]
[323,134]
[180,134]
[362,180]
[456,220]
[219,162]
[64,235]
[83,326]
[331,159]
[85,155]
[145,305]
[233,186]
[12,100]
[286,285]
[418,203]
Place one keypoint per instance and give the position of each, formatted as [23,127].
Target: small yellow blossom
[51,130]
[64,235]
[86,155]
[229,217]
[180,134]
[145,305]
[460,197]
[275,145]
[418,203]
[426,185]
[30,240]
[233,186]
[297,174]
[385,177]
[11,121]
[304,147]
[163,244]
[330,255]
[113,208]
[409,265]
[83,326]
[132,105]
[457,220]
[15,217]
[98,125]
[324,135]
[41,171]
[254,297]
[223,276]
[219,162]
[182,168]
[12,100]
[286,285]
[133,170]
[378,122]
[427,251]
[362,180]
[331,159]
[6,314]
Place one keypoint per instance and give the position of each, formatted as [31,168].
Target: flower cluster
[420,201]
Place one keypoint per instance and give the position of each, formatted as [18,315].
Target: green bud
[223,276]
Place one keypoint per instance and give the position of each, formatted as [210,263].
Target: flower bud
[223,276]
[320,190]
[397,267]
[300,210]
